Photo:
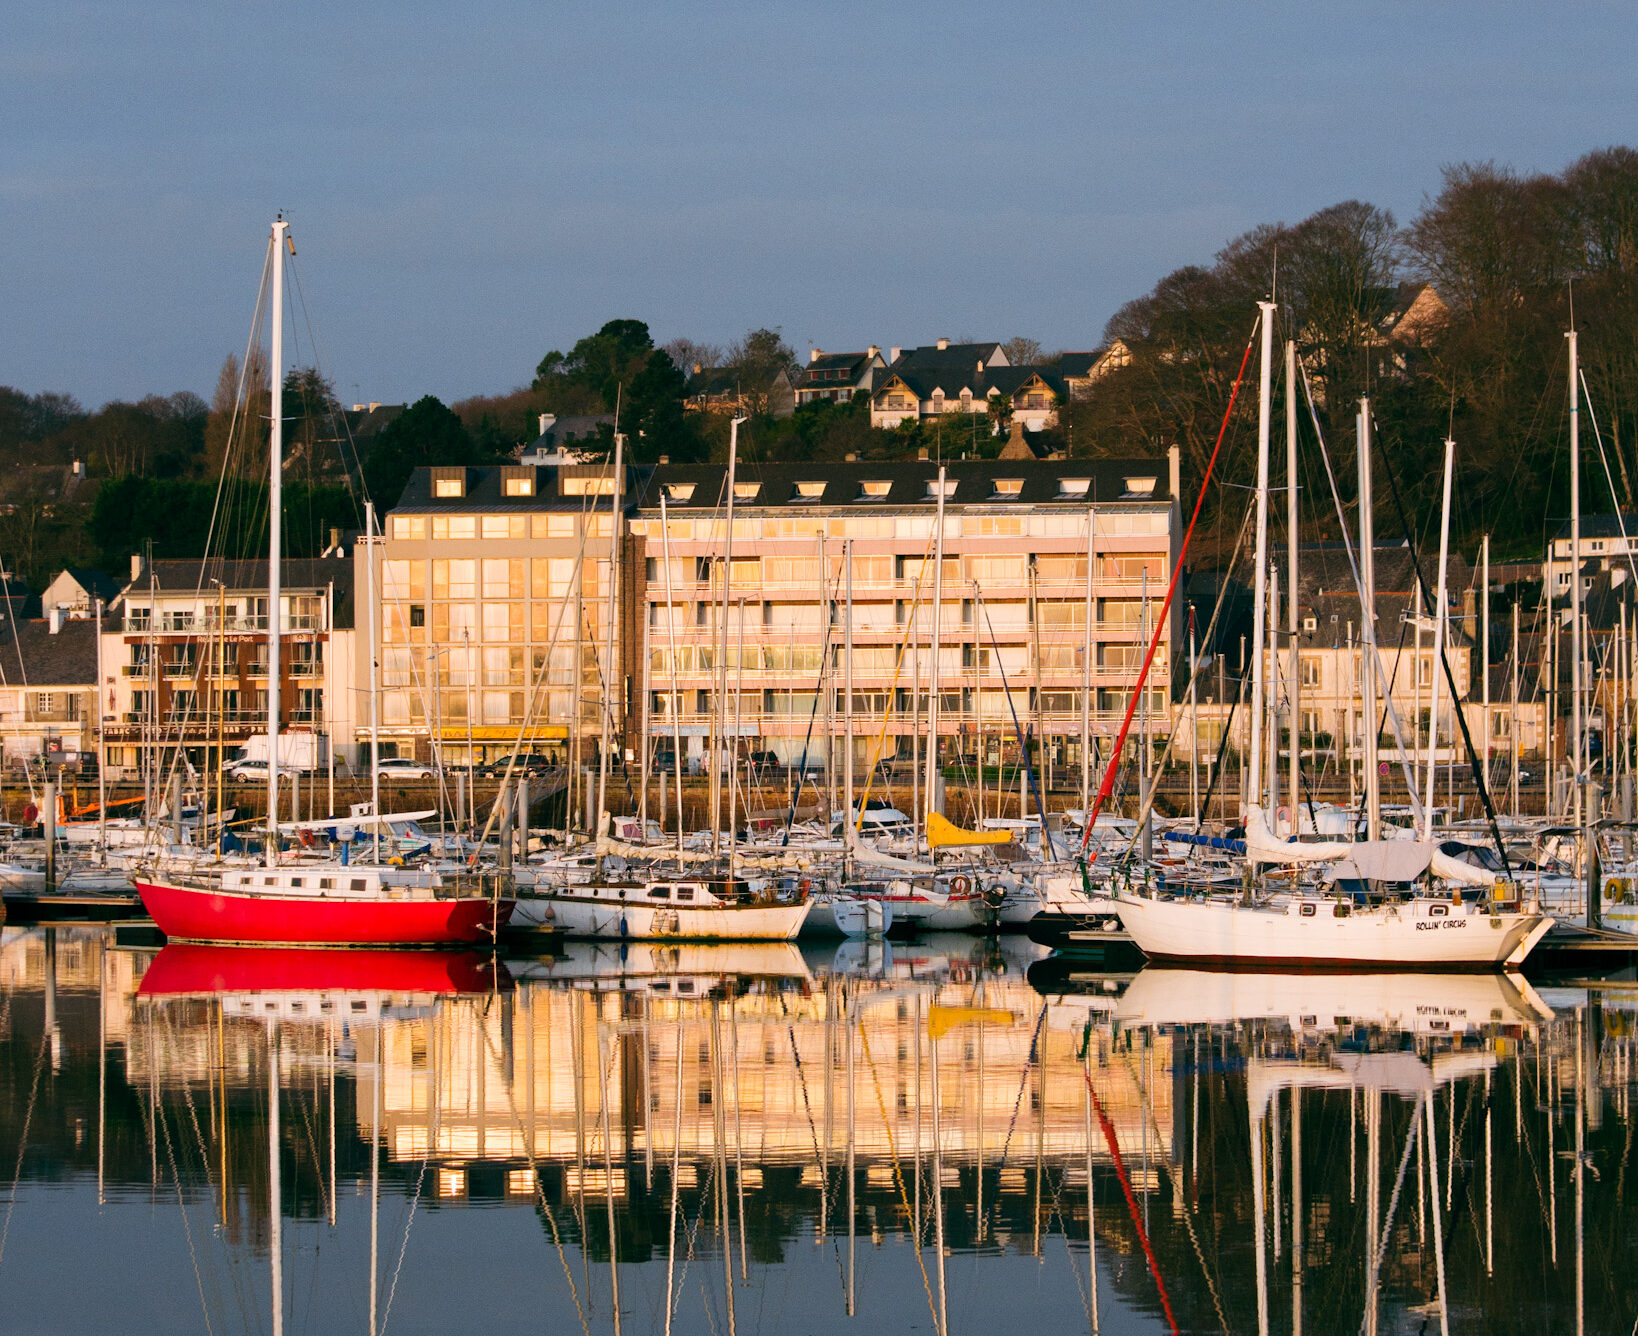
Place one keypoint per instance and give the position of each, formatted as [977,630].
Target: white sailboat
[1310,927]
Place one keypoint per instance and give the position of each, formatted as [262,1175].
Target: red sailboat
[306,903]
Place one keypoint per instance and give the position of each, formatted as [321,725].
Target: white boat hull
[615,919]
[1421,934]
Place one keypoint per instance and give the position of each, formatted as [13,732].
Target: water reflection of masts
[275,1219]
[938,1184]
[676,1171]
[852,1129]
[603,1077]
[1091,1209]
[719,1129]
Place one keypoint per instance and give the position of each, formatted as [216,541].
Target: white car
[404,767]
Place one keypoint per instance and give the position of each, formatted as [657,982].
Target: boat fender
[395,861]
[306,838]
[960,885]
[1282,816]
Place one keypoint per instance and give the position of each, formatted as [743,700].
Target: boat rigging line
[1110,769]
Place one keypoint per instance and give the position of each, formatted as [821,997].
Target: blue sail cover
[1206,841]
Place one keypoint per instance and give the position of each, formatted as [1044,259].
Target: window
[520,484]
[1007,489]
[746,491]
[505,526]
[1069,488]
[454,527]
[503,577]
[448,487]
[1310,670]
[45,702]
[1140,486]
[679,491]
[417,614]
[410,528]
[809,491]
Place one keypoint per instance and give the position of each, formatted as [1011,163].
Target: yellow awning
[941,832]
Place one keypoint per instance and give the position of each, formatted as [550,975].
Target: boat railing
[475,886]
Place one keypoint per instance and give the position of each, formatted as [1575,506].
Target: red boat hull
[195,914]
[184,969]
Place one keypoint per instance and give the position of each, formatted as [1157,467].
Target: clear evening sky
[471,185]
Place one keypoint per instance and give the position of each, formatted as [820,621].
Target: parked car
[524,763]
[404,767]
[248,772]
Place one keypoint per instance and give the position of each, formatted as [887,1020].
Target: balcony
[172,624]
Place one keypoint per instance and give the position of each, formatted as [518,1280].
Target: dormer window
[1074,488]
[933,485]
[1140,486]
[679,491]
[809,491]
[592,486]
[518,482]
[448,484]
[746,491]
[875,490]
[1007,489]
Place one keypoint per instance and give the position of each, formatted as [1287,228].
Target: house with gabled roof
[1081,371]
[837,377]
[77,590]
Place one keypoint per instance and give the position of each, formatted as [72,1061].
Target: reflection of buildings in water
[766,1076]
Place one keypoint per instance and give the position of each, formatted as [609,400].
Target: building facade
[185,659]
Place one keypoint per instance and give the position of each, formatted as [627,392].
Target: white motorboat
[708,909]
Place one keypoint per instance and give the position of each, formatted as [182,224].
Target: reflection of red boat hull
[186,969]
[199,914]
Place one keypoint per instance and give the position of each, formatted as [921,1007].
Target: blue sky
[470,186]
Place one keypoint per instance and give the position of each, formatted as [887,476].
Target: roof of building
[32,655]
[238,577]
[483,488]
[905,483]
[366,421]
[1328,591]
[1602,526]
[97,584]
[931,357]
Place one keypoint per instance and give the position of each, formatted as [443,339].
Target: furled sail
[942,833]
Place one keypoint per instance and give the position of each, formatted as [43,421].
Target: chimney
[79,468]
[698,368]
[335,541]
[943,344]
[922,454]
[850,458]
[1174,462]
[136,567]
[54,617]
[665,459]
[894,351]
[815,355]
[873,351]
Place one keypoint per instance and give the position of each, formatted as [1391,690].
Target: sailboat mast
[722,645]
[847,705]
[1259,597]
[275,525]
[1576,649]
[610,677]
[1367,648]
[1294,691]
[1438,643]
[372,603]
[933,658]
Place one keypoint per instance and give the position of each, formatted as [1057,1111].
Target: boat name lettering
[1441,923]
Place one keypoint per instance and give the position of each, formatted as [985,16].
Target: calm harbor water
[951,1136]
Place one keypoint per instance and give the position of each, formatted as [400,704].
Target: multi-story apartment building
[185,659]
[494,605]
[493,601]
[1014,635]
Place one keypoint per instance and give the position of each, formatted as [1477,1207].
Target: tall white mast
[1438,642]
[1576,778]
[1259,598]
[275,525]
[1367,651]
[717,706]
[611,678]
[1484,652]
[1294,690]
[932,671]
[372,602]
[847,705]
